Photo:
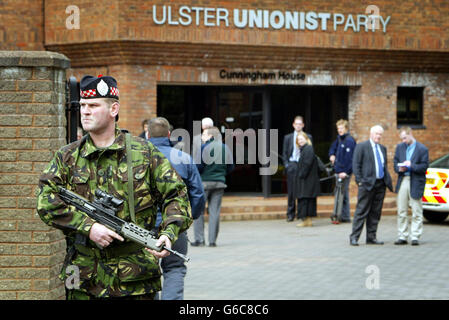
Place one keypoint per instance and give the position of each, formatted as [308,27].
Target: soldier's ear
[114,109]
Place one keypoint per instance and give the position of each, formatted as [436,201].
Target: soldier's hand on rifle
[103,236]
[165,241]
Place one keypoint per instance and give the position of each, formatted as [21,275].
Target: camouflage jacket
[82,167]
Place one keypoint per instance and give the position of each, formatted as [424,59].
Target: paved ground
[272,259]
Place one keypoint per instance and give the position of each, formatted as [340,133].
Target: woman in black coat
[307,186]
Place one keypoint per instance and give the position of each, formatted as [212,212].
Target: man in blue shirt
[411,160]
[340,154]
[173,267]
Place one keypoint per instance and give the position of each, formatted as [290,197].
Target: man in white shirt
[290,157]
[372,186]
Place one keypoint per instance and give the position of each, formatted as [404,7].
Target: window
[410,105]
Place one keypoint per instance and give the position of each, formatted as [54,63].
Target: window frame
[410,93]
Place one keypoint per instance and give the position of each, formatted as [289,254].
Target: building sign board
[261,75]
[368,21]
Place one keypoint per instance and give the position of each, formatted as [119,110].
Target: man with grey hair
[216,163]
[206,123]
[370,169]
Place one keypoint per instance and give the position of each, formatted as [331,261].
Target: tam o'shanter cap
[98,87]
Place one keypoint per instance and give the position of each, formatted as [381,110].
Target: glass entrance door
[241,112]
[246,108]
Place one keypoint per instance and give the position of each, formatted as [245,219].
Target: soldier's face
[97,114]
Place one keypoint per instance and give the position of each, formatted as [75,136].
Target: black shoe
[212,244]
[345,221]
[415,243]
[400,242]
[353,242]
[290,218]
[375,241]
[197,244]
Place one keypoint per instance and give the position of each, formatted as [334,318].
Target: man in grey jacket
[216,163]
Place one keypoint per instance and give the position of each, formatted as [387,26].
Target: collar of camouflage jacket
[89,147]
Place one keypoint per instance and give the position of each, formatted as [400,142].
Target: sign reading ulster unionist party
[369,20]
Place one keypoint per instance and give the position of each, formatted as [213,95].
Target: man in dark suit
[290,157]
[372,177]
[411,160]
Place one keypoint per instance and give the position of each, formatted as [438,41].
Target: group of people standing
[168,196]
[214,165]
[205,181]
[368,162]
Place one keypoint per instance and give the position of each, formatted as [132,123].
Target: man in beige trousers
[410,163]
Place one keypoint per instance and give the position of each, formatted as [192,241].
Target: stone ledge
[33,59]
[269,57]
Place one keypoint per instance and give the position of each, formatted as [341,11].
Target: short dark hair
[158,127]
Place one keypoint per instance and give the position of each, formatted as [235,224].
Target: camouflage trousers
[81,295]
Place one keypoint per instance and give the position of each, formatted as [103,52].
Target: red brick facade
[22,25]
[123,38]
[140,53]
[414,25]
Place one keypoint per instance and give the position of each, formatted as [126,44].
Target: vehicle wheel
[433,216]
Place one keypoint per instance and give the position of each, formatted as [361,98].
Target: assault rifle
[104,209]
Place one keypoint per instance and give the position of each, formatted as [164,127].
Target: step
[240,205]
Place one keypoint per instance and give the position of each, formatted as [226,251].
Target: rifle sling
[129,161]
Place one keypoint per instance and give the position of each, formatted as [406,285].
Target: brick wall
[375,103]
[22,25]
[372,97]
[414,25]
[32,126]
[98,20]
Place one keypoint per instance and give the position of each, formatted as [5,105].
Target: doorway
[266,107]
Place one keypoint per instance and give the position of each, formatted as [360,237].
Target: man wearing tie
[290,157]
[372,177]
[411,160]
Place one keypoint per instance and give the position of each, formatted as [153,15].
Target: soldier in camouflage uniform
[110,266]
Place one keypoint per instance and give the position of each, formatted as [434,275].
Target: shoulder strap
[129,162]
